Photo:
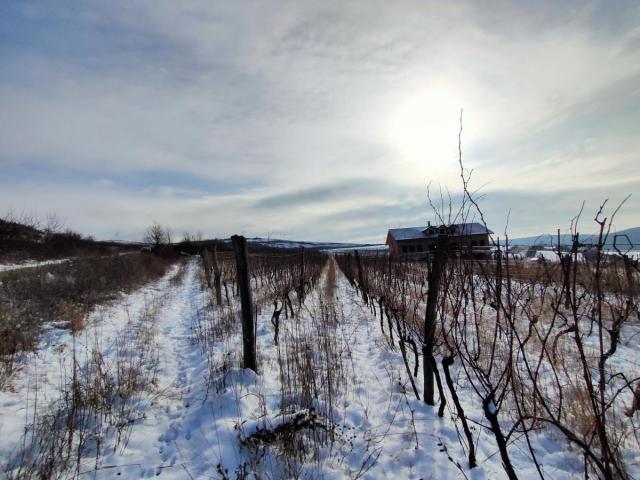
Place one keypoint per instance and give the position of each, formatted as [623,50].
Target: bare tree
[156,235]
[53,224]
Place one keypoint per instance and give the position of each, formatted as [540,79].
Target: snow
[551,256]
[30,264]
[374,248]
[193,420]
[41,263]
[633,254]
[251,427]
[39,382]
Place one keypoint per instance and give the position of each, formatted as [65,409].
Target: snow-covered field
[5,267]
[551,256]
[30,264]
[198,414]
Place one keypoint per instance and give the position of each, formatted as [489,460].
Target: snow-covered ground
[43,373]
[41,263]
[193,429]
[196,417]
[551,256]
[373,248]
[30,264]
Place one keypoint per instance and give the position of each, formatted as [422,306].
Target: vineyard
[276,363]
[538,349]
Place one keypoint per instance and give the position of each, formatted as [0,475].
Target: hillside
[21,241]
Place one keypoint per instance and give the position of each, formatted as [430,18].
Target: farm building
[423,239]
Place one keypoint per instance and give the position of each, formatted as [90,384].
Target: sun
[423,129]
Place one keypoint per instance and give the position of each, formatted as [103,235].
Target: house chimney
[428,223]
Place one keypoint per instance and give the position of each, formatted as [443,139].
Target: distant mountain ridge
[632,233]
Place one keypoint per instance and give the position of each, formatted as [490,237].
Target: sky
[327,121]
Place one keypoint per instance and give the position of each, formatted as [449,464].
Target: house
[424,239]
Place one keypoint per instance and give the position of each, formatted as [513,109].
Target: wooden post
[301,296]
[246,302]
[565,268]
[628,268]
[498,287]
[361,277]
[435,276]
[217,276]
[348,270]
[206,263]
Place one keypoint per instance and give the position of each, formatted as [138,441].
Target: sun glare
[424,128]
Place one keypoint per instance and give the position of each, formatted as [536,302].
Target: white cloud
[279,97]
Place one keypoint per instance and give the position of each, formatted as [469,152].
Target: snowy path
[186,428]
[189,428]
[152,448]
[405,434]
[417,443]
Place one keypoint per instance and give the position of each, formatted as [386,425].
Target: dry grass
[330,281]
[308,357]
[64,293]
[98,406]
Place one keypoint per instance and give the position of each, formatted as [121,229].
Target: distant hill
[278,243]
[258,244]
[632,233]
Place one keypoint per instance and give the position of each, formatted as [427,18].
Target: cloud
[292,116]
[344,190]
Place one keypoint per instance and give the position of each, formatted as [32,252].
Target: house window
[412,248]
[420,249]
[404,249]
